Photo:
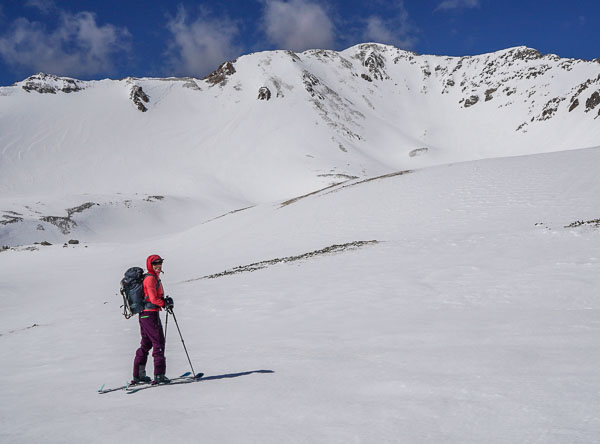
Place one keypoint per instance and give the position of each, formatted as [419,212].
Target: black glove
[169,304]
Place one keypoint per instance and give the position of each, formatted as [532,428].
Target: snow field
[473,319]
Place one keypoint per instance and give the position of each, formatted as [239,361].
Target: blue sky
[96,39]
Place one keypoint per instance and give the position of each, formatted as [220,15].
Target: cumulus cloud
[78,46]
[396,29]
[298,25]
[447,5]
[198,46]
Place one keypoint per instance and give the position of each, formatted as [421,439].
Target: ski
[127,386]
[174,381]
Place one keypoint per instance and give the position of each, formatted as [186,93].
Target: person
[151,328]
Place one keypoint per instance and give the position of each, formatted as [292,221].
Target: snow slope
[473,318]
[266,127]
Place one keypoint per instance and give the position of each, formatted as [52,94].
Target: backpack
[132,290]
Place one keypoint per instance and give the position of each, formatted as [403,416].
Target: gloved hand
[169,304]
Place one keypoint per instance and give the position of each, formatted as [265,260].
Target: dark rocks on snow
[310,81]
[550,108]
[592,101]
[64,224]
[219,76]
[80,208]
[139,97]
[51,84]
[376,63]
[264,93]
[526,54]
[10,219]
[471,101]
[366,77]
[418,152]
[489,94]
[574,105]
[337,248]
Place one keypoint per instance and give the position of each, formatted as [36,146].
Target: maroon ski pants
[153,337]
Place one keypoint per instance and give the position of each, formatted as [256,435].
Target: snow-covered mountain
[368,246]
[272,125]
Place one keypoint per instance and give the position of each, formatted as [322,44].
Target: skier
[150,326]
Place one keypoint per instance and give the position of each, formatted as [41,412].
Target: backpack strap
[149,305]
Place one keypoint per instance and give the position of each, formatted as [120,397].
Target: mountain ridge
[274,125]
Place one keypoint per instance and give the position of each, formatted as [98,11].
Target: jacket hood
[149,261]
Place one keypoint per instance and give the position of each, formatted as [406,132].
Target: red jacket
[155,296]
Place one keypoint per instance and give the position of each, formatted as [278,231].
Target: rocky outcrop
[221,75]
[51,84]
[264,93]
[66,224]
[471,101]
[139,97]
[310,81]
[592,101]
[418,152]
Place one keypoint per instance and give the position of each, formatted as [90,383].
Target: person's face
[157,268]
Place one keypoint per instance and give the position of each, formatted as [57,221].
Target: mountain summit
[274,125]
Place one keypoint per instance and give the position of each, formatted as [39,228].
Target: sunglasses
[157,263]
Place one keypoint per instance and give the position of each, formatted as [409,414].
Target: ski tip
[101,388]
[185,374]
[198,375]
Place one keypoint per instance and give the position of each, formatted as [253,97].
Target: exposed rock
[73,242]
[310,81]
[574,104]
[550,108]
[64,224]
[523,53]
[594,223]
[8,219]
[489,94]
[376,64]
[366,77]
[80,208]
[592,101]
[139,97]
[220,75]
[264,93]
[45,243]
[418,152]
[295,57]
[337,248]
[471,101]
[51,84]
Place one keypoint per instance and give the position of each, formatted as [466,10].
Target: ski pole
[166,325]
[170,310]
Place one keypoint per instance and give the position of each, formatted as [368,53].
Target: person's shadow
[233,375]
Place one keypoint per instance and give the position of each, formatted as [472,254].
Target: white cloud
[200,46]
[447,5]
[44,6]
[78,46]
[396,29]
[298,25]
